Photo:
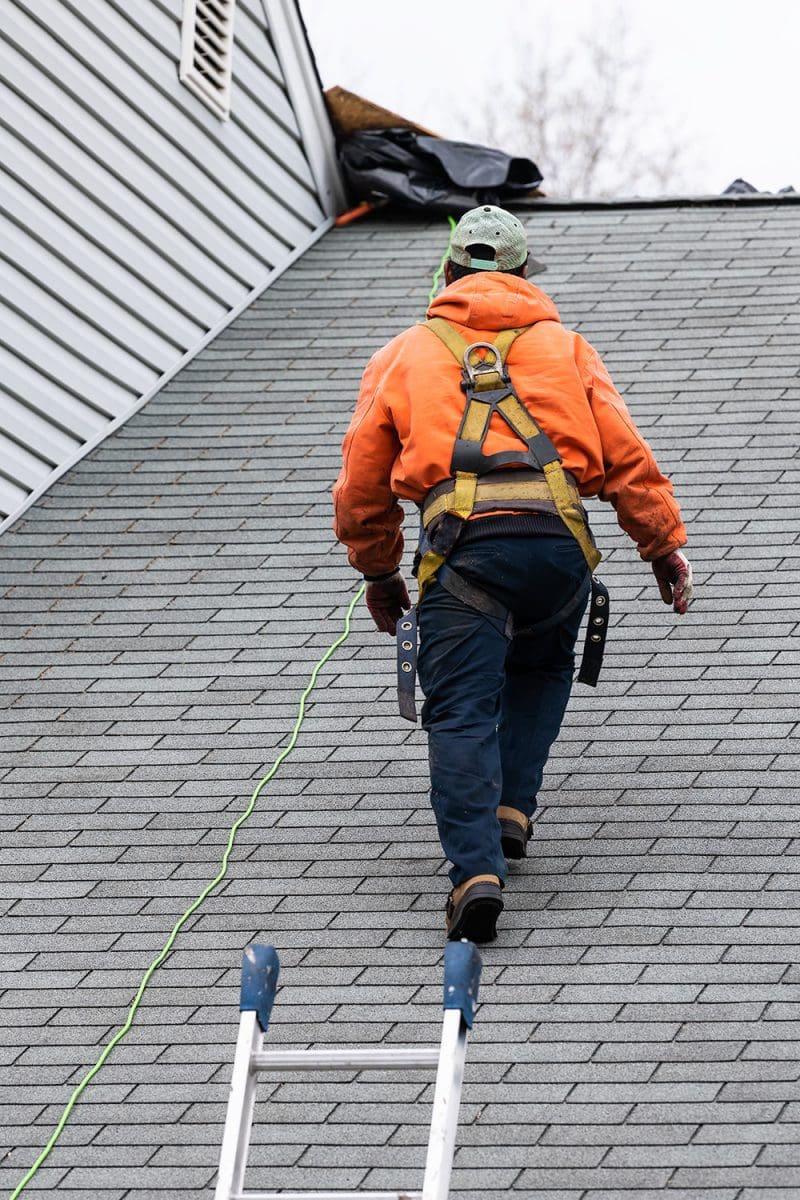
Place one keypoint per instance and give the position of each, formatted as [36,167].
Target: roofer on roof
[506,551]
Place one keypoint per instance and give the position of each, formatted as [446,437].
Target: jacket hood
[493,300]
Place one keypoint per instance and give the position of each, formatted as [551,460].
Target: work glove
[387,599]
[673,574]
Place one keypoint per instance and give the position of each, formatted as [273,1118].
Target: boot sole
[475,915]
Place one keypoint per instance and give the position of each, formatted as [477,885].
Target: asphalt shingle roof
[162,607]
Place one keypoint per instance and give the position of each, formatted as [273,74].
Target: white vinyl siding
[132,219]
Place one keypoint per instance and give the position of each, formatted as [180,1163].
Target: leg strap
[475,597]
[596,631]
[595,642]
[407,665]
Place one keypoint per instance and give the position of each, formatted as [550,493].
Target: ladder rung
[328,1059]
[327,1196]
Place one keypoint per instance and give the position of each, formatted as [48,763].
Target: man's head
[487,239]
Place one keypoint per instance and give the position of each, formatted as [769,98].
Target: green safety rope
[179,924]
[440,268]
[120,1034]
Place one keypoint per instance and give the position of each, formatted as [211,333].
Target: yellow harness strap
[426,571]
[458,347]
[569,512]
[474,428]
[451,338]
[490,491]
[464,495]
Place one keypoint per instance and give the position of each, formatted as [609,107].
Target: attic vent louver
[206,49]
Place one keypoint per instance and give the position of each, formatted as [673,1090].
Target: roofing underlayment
[162,607]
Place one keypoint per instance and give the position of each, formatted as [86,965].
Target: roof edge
[168,375]
[291,44]
[732,201]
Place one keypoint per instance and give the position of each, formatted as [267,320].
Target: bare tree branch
[585,115]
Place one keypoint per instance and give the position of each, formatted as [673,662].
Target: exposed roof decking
[162,608]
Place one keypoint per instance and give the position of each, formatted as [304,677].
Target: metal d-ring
[482,367]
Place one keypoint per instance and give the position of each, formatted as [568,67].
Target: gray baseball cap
[489,226]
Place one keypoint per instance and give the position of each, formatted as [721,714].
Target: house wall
[132,219]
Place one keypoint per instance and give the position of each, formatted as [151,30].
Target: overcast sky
[722,77]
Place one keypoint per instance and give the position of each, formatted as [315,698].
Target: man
[495,420]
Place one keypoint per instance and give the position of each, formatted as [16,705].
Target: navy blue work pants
[493,708]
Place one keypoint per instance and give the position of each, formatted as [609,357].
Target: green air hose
[120,1034]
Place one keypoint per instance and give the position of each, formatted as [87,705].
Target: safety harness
[537,482]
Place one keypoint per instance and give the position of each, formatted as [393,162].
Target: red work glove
[387,600]
[673,574]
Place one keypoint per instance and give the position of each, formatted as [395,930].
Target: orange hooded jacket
[401,437]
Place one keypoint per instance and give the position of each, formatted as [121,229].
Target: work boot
[515,831]
[473,908]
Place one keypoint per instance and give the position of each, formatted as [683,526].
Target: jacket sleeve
[367,515]
[641,495]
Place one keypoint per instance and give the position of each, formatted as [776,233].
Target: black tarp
[418,171]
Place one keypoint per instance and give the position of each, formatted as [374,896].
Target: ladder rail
[239,1115]
[260,970]
[446,1102]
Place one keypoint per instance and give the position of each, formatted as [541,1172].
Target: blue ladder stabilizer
[462,973]
[260,968]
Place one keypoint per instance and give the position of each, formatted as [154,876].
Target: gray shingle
[165,602]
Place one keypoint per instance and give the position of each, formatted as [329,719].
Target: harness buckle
[483,366]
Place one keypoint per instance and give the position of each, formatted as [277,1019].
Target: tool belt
[482,483]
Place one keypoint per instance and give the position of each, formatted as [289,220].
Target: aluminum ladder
[260,967]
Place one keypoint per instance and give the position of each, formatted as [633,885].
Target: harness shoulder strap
[489,389]
[569,512]
[451,337]
[468,459]
[458,346]
[506,338]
